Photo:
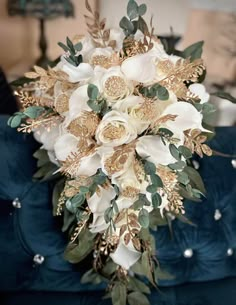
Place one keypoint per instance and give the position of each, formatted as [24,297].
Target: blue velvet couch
[32,245]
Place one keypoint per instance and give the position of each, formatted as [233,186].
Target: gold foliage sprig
[96,28]
[194,140]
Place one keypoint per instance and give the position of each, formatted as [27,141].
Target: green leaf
[177,166]
[225,95]
[156,200]
[115,206]
[186,152]
[34,111]
[137,298]
[156,219]
[84,189]
[132,9]
[194,51]
[149,168]
[71,61]
[78,46]
[162,93]
[108,214]
[70,45]
[165,132]
[151,188]
[92,92]
[68,220]
[63,46]
[183,178]
[126,24]
[156,180]
[91,277]
[75,253]
[137,285]
[195,178]
[142,25]
[15,121]
[119,294]
[94,105]
[175,152]
[143,218]
[100,179]
[142,9]
[78,200]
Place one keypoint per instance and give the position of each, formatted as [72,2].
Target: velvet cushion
[32,230]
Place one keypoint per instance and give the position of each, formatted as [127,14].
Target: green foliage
[156,180]
[34,111]
[91,277]
[75,253]
[156,219]
[165,132]
[155,91]
[225,95]
[119,294]
[73,58]
[183,178]
[185,152]
[177,165]
[15,120]
[156,200]
[136,297]
[194,51]
[143,218]
[142,201]
[92,92]
[175,152]
[195,179]
[149,167]
[137,285]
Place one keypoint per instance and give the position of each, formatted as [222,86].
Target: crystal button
[196,164]
[188,253]
[16,203]
[217,215]
[233,162]
[38,259]
[230,252]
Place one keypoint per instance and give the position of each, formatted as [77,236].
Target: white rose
[200,91]
[97,52]
[113,84]
[140,68]
[115,129]
[117,35]
[98,224]
[47,137]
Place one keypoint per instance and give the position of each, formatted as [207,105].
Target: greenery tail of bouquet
[119,119]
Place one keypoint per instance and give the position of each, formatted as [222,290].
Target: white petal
[100,201]
[65,145]
[124,203]
[124,256]
[99,224]
[76,74]
[78,102]
[89,165]
[153,149]
[187,117]
[200,91]
[140,68]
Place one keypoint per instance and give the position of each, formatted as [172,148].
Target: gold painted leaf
[31,75]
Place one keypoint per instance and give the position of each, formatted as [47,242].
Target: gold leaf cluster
[194,140]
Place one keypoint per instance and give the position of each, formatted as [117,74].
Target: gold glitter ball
[115,87]
[62,103]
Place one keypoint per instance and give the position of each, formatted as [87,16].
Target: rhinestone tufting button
[230,252]
[188,253]
[16,203]
[217,215]
[38,259]
[233,162]
[196,164]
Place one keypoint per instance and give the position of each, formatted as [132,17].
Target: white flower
[124,202]
[67,144]
[76,74]
[101,199]
[200,91]
[115,129]
[153,149]
[78,102]
[125,256]
[140,68]
[107,52]
[187,117]
[113,84]
[98,204]
[47,137]
[117,35]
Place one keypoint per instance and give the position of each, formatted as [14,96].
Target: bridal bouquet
[119,118]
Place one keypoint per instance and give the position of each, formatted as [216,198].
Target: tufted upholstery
[201,253]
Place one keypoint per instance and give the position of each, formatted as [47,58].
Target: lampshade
[43,9]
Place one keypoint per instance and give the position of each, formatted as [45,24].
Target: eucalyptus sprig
[72,51]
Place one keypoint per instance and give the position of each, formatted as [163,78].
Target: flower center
[115,87]
[113,132]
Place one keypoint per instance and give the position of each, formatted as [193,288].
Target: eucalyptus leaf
[78,46]
[149,168]
[194,51]
[156,200]
[137,297]
[225,95]
[165,132]
[195,178]
[94,105]
[175,152]
[143,218]
[137,285]
[63,46]
[126,24]
[142,9]
[162,93]
[132,9]
[156,180]
[151,188]
[177,166]
[183,178]
[70,45]
[185,151]
[34,111]
[15,121]
[119,294]
[92,92]
[91,277]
